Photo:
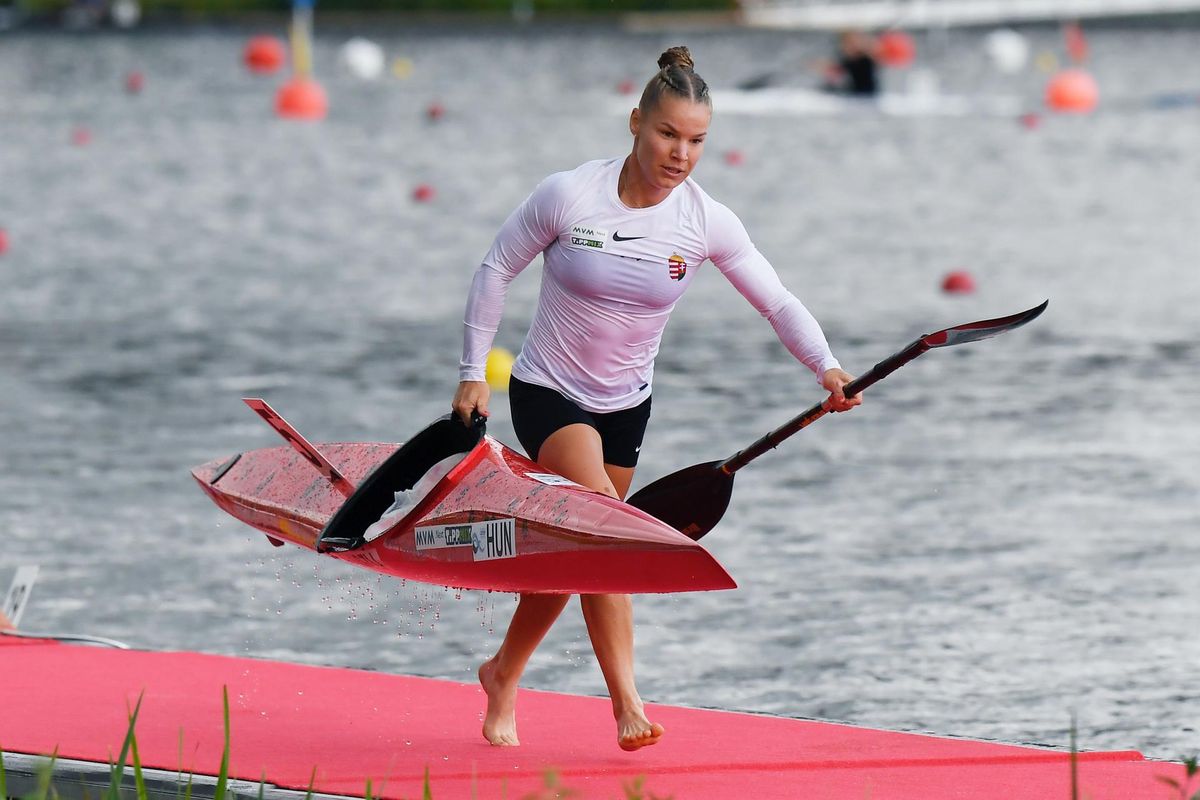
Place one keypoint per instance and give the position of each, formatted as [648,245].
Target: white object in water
[405,501]
[17,597]
[363,58]
[125,13]
[1008,50]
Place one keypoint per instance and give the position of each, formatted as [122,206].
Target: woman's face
[668,140]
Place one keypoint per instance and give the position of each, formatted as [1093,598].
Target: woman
[621,241]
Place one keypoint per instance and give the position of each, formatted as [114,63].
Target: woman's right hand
[471,396]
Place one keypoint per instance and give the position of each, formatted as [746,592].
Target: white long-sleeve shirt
[611,279]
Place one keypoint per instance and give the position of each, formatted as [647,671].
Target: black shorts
[538,412]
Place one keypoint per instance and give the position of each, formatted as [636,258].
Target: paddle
[694,499]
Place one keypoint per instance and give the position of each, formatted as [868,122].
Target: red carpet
[356,726]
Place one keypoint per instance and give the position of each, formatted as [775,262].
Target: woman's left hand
[834,380]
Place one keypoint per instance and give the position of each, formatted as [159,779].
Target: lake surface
[1004,535]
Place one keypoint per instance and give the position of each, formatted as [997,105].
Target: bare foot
[634,731]
[500,722]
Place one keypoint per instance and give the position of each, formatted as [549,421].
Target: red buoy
[1072,91]
[1075,42]
[625,87]
[423,193]
[134,82]
[435,111]
[301,98]
[264,54]
[1030,120]
[896,49]
[958,282]
[81,136]
[734,158]
[3,242]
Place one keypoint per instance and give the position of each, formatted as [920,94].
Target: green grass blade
[223,773]
[312,781]
[187,787]
[117,771]
[427,791]
[139,780]
[45,777]
[1074,760]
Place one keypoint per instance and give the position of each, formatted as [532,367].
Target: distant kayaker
[621,239]
[853,70]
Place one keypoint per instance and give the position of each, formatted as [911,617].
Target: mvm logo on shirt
[587,236]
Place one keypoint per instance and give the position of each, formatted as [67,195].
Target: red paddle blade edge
[984,329]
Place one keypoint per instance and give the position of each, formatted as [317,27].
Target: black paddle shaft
[694,499]
[802,421]
[970,332]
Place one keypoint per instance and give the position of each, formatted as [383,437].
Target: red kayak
[494,520]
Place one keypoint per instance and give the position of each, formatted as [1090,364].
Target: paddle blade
[984,329]
[692,500]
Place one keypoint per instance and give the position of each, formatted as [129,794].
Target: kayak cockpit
[393,487]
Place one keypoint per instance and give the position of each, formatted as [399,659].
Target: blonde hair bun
[678,56]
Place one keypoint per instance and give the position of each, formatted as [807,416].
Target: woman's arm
[529,230]
[755,279]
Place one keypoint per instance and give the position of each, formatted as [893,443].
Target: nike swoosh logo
[619,238]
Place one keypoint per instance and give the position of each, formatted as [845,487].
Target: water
[1003,535]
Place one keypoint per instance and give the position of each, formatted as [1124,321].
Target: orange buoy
[423,193]
[435,111]
[1072,90]
[958,282]
[301,98]
[3,242]
[264,54]
[734,158]
[895,49]
[134,82]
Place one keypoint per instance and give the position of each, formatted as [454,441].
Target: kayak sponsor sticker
[436,537]
[550,479]
[494,539]
[488,540]
[587,236]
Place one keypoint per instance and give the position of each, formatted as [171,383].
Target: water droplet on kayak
[408,742]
